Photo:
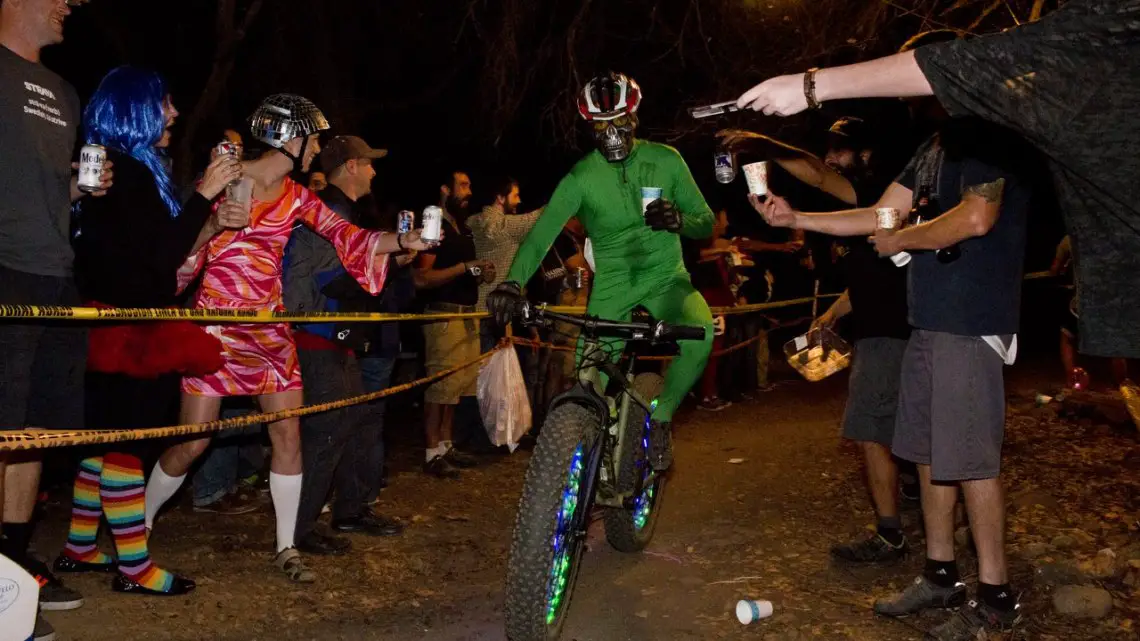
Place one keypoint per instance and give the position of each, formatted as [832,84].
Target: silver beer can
[724,166]
[579,277]
[405,221]
[433,224]
[91,159]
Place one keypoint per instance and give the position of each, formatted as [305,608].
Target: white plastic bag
[503,401]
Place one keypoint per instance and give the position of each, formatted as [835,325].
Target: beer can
[227,148]
[91,159]
[433,224]
[579,278]
[887,218]
[405,221]
[757,176]
[475,271]
[724,166]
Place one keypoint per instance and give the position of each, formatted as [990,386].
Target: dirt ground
[759,528]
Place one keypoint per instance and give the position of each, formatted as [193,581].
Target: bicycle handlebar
[659,332]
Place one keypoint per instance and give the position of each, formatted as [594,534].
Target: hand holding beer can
[91,159]
[890,219]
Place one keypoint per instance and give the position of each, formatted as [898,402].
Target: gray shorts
[873,390]
[951,413]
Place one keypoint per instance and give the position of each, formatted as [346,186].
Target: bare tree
[231,23]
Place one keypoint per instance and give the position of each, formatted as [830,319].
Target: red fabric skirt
[149,349]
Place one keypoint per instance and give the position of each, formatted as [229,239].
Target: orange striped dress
[242,269]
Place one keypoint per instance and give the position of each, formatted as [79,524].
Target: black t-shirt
[551,278]
[457,247]
[39,114]
[979,294]
[1070,83]
[877,287]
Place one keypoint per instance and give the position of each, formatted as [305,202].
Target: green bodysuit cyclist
[637,256]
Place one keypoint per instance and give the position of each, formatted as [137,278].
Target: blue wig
[125,114]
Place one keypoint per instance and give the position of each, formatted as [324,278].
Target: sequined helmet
[283,117]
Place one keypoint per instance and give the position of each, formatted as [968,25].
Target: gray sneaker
[43,630]
[921,595]
[968,622]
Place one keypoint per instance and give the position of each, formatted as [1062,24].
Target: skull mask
[614,138]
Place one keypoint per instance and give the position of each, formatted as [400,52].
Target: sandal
[290,562]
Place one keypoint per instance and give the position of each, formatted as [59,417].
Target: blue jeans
[235,453]
[376,372]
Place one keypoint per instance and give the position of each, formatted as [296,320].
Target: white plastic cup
[889,219]
[240,191]
[757,176]
[648,195]
[748,611]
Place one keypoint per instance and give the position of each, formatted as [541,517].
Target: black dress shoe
[370,524]
[460,459]
[323,544]
[64,563]
[440,468]
[125,584]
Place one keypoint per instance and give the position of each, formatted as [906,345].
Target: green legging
[677,303]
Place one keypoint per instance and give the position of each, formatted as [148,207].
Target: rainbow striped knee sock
[123,488]
[86,512]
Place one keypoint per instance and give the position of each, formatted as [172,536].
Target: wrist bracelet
[400,241]
[809,88]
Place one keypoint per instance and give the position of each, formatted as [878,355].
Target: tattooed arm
[974,216]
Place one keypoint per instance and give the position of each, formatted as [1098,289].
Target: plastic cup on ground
[748,611]
[648,195]
[756,174]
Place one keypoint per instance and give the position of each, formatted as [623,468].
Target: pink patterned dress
[241,269]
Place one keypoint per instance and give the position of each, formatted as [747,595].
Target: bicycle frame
[613,411]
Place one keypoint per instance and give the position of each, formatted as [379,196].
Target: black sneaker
[871,548]
[54,595]
[969,621]
[921,595]
[43,630]
[370,524]
[660,445]
[322,544]
[460,459]
[440,468]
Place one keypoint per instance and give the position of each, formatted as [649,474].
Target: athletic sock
[86,513]
[285,490]
[123,489]
[890,528]
[999,597]
[446,445]
[159,489]
[432,452]
[15,540]
[944,574]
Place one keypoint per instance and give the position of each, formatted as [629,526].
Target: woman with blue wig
[128,248]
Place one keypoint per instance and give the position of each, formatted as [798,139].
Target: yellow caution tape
[32,439]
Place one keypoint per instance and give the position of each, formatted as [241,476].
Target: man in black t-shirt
[963,306]
[852,172]
[448,278]
[41,365]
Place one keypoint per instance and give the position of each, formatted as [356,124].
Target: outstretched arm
[801,164]
[563,206]
[895,76]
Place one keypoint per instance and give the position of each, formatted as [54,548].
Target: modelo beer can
[724,166]
[433,224]
[91,159]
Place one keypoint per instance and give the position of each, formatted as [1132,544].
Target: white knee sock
[159,489]
[286,494]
